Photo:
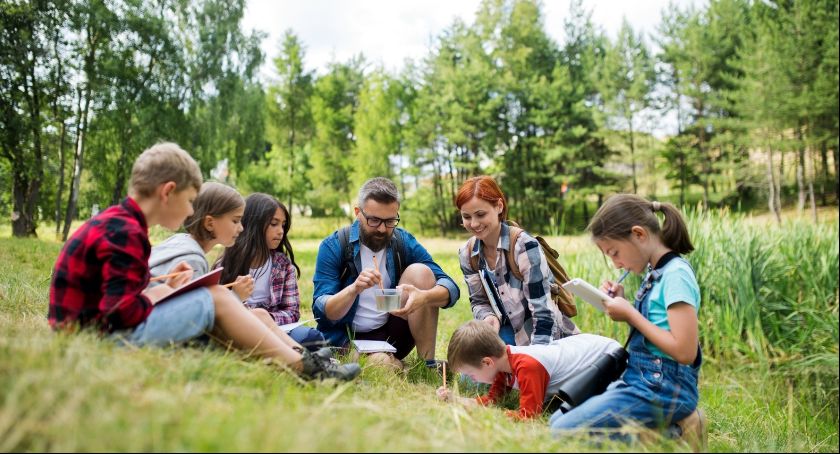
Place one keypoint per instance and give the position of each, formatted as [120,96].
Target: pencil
[228,285]
[444,375]
[167,276]
[377,268]
[620,279]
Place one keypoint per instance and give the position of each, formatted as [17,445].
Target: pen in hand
[611,293]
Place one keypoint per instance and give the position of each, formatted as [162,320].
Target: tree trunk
[809,175]
[824,168]
[28,177]
[633,157]
[62,159]
[837,173]
[800,173]
[771,186]
[77,170]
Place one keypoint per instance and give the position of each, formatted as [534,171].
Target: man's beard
[374,241]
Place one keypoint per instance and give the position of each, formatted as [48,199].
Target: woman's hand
[444,394]
[243,286]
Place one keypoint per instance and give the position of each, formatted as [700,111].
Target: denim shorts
[174,321]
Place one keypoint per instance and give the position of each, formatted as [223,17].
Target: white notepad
[373,346]
[587,292]
[290,326]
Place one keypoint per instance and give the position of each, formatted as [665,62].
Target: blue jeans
[309,338]
[507,334]
[653,392]
[174,321]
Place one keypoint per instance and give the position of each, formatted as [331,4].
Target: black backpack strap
[347,263]
[400,257]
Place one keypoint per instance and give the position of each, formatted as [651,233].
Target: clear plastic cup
[387,299]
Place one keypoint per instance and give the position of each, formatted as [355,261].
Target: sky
[389,31]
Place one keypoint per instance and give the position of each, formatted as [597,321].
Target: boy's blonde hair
[161,163]
[472,342]
[216,200]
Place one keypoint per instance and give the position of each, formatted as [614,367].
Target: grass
[765,386]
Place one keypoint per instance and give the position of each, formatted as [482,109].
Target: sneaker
[315,367]
[325,353]
[694,431]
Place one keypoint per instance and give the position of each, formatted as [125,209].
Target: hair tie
[655,206]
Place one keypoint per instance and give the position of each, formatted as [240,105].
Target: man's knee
[418,275]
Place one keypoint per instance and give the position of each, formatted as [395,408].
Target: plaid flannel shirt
[284,301]
[533,315]
[102,270]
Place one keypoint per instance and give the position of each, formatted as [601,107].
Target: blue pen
[620,279]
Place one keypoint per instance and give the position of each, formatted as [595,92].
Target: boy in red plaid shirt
[101,276]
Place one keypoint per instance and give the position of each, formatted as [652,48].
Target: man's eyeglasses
[376,222]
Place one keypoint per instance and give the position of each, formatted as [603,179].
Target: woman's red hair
[484,188]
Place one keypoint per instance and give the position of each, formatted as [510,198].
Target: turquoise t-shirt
[676,285]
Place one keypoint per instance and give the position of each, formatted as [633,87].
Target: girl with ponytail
[659,385]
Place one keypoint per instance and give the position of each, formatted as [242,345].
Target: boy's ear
[487,361]
[167,189]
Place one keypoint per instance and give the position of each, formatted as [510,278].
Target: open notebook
[211,278]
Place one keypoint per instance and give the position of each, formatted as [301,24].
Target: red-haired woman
[521,310]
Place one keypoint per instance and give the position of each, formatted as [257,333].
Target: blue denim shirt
[328,268]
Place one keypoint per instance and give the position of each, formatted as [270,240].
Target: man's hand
[415,299]
[367,279]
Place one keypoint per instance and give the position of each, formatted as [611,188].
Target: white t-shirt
[262,283]
[368,318]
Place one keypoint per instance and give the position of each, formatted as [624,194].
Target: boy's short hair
[214,199]
[161,163]
[472,342]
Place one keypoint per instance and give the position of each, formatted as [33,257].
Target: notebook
[290,326]
[373,346]
[587,292]
[211,278]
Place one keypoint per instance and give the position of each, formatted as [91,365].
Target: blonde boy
[538,371]
[101,276]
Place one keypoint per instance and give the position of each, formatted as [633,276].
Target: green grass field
[769,325]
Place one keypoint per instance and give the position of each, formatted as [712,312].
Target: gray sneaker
[315,367]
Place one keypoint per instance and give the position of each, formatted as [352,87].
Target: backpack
[561,297]
[397,245]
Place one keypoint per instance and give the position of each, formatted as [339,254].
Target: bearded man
[372,253]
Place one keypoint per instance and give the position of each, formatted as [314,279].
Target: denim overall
[653,391]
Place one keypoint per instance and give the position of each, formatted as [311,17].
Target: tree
[625,83]
[289,117]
